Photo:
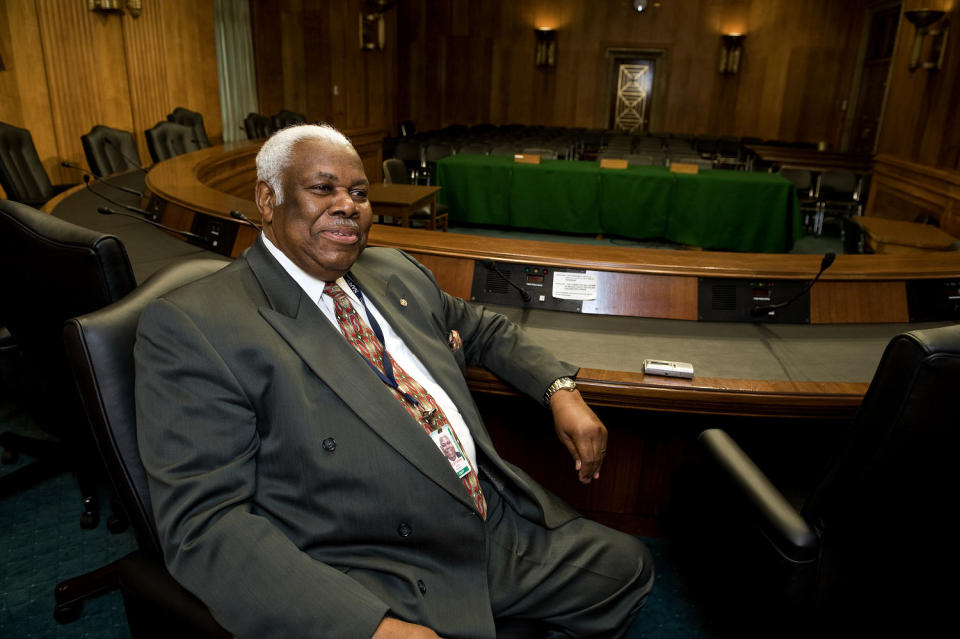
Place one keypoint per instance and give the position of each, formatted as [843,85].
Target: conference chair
[410,152]
[193,120]
[100,347]
[807,185]
[284,118]
[395,172]
[839,194]
[168,139]
[474,148]
[109,150]
[543,152]
[257,126]
[870,549]
[433,152]
[22,175]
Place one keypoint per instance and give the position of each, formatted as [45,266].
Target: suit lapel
[322,347]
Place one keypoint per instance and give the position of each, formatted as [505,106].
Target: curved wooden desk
[206,185]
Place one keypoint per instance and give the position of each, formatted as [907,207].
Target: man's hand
[391,628]
[581,431]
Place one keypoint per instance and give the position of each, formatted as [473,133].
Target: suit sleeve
[491,340]
[199,442]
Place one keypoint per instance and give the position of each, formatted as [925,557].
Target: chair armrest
[778,520]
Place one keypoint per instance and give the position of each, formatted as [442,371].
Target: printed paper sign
[574,286]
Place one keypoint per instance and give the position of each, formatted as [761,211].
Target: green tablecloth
[720,210]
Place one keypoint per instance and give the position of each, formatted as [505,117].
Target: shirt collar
[311,285]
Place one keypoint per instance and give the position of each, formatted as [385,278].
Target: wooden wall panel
[70,68]
[795,75]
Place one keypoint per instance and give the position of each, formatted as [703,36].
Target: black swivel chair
[193,120]
[257,126]
[100,348]
[168,139]
[22,175]
[284,118]
[110,151]
[871,549]
[54,270]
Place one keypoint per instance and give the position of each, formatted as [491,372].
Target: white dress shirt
[402,355]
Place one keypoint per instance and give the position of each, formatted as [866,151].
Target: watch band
[564,383]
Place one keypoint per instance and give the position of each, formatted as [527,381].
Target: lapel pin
[403,302]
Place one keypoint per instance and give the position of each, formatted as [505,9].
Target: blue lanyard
[386,375]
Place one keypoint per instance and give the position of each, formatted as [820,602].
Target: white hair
[276,153]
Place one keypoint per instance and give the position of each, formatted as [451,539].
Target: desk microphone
[145,214]
[119,187]
[493,267]
[103,210]
[825,263]
[126,157]
[237,215]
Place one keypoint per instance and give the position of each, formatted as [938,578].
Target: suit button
[422,586]
[329,444]
[404,530]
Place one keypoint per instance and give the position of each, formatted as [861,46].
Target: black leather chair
[54,270]
[284,118]
[257,126]
[22,175]
[168,139]
[871,549]
[110,151]
[100,348]
[193,120]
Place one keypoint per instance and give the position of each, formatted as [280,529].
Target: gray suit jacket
[292,492]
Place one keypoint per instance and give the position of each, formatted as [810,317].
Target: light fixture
[373,28]
[640,5]
[923,20]
[730,55]
[546,51]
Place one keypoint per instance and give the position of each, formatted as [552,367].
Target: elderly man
[289,413]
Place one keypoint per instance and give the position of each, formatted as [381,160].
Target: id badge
[448,444]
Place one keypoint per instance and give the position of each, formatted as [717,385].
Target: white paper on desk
[574,286]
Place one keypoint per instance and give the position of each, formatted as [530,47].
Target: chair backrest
[257,126]
[407,128]
[109,150]
[193,120]
[545,153]
[474,148]
[395,171]
[22,175]
[54,270]
[99,346]
[168,139]
[894,481]
[839,184]
[802,179]
[284,118]
[436,151]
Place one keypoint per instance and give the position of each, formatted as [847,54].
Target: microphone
[493,267]
[120,187]
[126,157]
[146,214]
[825,263]
[103,210]
[237,215]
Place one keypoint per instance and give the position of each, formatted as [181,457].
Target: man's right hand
[395,629]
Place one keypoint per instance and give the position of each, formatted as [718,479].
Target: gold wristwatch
[564,383]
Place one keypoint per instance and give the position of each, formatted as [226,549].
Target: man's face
[324,221]
[447,445]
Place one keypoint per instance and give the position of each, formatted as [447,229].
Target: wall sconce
[373,29]
[730,55]
[923,20]
[133,7]
[546,53]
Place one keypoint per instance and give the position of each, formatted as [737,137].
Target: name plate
[612,163]
[530,158]
[683,167]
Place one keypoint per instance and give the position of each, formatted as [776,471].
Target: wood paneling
[68,68]
[903,190]
[858,302]
[308,59]
[471,62]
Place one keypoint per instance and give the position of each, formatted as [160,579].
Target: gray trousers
[581,579]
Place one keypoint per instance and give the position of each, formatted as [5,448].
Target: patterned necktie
[361,337]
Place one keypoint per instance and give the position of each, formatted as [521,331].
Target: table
[403,200]
[717,210]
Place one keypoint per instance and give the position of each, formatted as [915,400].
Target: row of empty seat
[258,126]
